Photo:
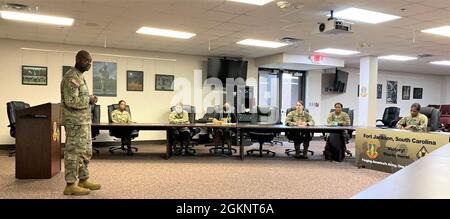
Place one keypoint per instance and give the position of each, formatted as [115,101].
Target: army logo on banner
[372,149]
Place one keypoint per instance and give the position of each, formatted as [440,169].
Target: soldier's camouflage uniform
[418,123]
[76,118]
[299,136]
[121,117]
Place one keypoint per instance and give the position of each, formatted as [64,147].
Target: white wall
[445,87]
[146,106]
[431,85]
[313,93]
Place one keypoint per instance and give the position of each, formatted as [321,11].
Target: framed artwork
[406,92]
[34,75]
[417,93]
[135,81]
[65,68]
[105,79]
[379,91]
[391,94]
[164,82]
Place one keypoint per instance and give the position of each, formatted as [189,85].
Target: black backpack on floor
[335,148]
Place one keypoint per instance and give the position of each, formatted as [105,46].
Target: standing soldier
[76,118]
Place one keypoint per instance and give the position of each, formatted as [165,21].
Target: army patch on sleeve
[74,83]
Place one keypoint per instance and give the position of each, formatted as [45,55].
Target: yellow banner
[390,150]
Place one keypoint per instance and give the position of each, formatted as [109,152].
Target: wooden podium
[38,142]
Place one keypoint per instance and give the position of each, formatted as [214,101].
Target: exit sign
[316,58]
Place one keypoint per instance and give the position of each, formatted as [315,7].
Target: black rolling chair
[350,113]
[95,110]
[11,108]
[434,116]
[120,133]
[390,117]
[194,131]
[289,151]
[225,140]
[266,115]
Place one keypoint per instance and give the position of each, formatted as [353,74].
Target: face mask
[179,110]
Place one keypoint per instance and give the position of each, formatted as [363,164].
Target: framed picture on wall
[406,92]
[105,79]
[391,94]
[379,90]
[164,82]
[417,93]
[65,68]
[34,75]
[135,81]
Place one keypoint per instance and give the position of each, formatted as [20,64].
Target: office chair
[11,108]
[266,115]
[434,116]
[289,151]
[445,116]
[95,110]
[120,133]
[349,136]
[194,131]
[229,135]
[390,117]
[435,106]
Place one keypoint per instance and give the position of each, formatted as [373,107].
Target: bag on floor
[334,148]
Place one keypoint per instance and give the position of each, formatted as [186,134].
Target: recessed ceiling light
[36,18]
[165,32]
[362,15]
[262,43]
[397,58]
[252,2]
[443,31]
[445,62]
[337,51]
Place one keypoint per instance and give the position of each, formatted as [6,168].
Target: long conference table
[240,128]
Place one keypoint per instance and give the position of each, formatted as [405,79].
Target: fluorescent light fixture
[261,43]
[165,33]
[443,31]
[36,18]
[445,62]
[337,51]
[252,2]
[397,58]
[357,14]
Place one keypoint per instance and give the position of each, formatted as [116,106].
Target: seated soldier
[415,122]
[121,116]
[299,117]
[222,136]
[182,134]
[338,117]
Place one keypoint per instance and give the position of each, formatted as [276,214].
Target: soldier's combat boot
[89,185]
[73,189]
